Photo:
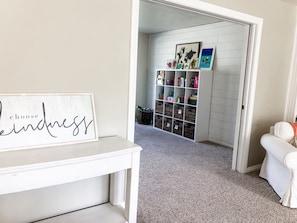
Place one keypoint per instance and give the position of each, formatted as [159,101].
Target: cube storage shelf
[182,102]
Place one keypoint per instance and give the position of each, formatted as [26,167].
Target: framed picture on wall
[186,54]
[206,58]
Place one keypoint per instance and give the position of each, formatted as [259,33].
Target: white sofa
[279,167]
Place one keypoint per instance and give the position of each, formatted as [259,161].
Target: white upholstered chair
[279,167]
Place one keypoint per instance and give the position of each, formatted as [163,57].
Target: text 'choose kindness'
[76,124]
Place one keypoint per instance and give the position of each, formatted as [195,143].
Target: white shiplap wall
[229,40]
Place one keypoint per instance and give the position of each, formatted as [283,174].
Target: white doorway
[247,82]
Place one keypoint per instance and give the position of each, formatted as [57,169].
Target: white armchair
[279,167]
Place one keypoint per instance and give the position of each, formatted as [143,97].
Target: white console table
[28,169]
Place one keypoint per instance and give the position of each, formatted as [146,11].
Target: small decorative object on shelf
[171,64]
[161,78]
[194,63]
[196,81]
[181,81]
[170,97]
[193,98]
[180,66]
[180,99]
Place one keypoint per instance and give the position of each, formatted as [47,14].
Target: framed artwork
[186,54]
[206,58]
[39,120]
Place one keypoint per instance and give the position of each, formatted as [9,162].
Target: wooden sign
[34,120]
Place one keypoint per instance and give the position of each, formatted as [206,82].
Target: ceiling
[154,18]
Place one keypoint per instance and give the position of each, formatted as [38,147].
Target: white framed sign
[38,120]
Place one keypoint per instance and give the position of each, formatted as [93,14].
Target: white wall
[142,69]
[229,40]
[46,202]
[279,21]
[67,46]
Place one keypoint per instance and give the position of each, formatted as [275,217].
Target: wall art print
[38,120]
[206,58]
[186,54]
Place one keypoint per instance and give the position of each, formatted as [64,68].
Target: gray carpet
[186,182]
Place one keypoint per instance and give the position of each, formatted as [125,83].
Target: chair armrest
[291,160]
[279,148]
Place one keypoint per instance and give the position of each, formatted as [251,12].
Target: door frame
[291,99]
[245,113]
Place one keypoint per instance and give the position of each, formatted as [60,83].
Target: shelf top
[29,158]
[178,103]
[187,70]
[175,86]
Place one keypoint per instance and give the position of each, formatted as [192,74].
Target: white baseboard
[253,168]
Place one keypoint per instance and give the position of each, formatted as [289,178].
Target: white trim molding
[133,69]
[291,100]
[254,168]
[249,96]
[255,23]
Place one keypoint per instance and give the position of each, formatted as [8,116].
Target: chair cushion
[284,131]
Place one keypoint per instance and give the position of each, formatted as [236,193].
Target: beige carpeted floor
[186,182]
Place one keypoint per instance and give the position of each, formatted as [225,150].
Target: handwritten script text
[75,124]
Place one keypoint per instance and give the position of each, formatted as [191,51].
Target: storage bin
[144,117]
[178,111]
[168,109]
[178,127]
[167,124]
[190,114]
[159,107]
[158,121]
[189,130]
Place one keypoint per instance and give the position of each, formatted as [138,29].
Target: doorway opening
[251,30]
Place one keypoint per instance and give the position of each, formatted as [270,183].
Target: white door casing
[244,119]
